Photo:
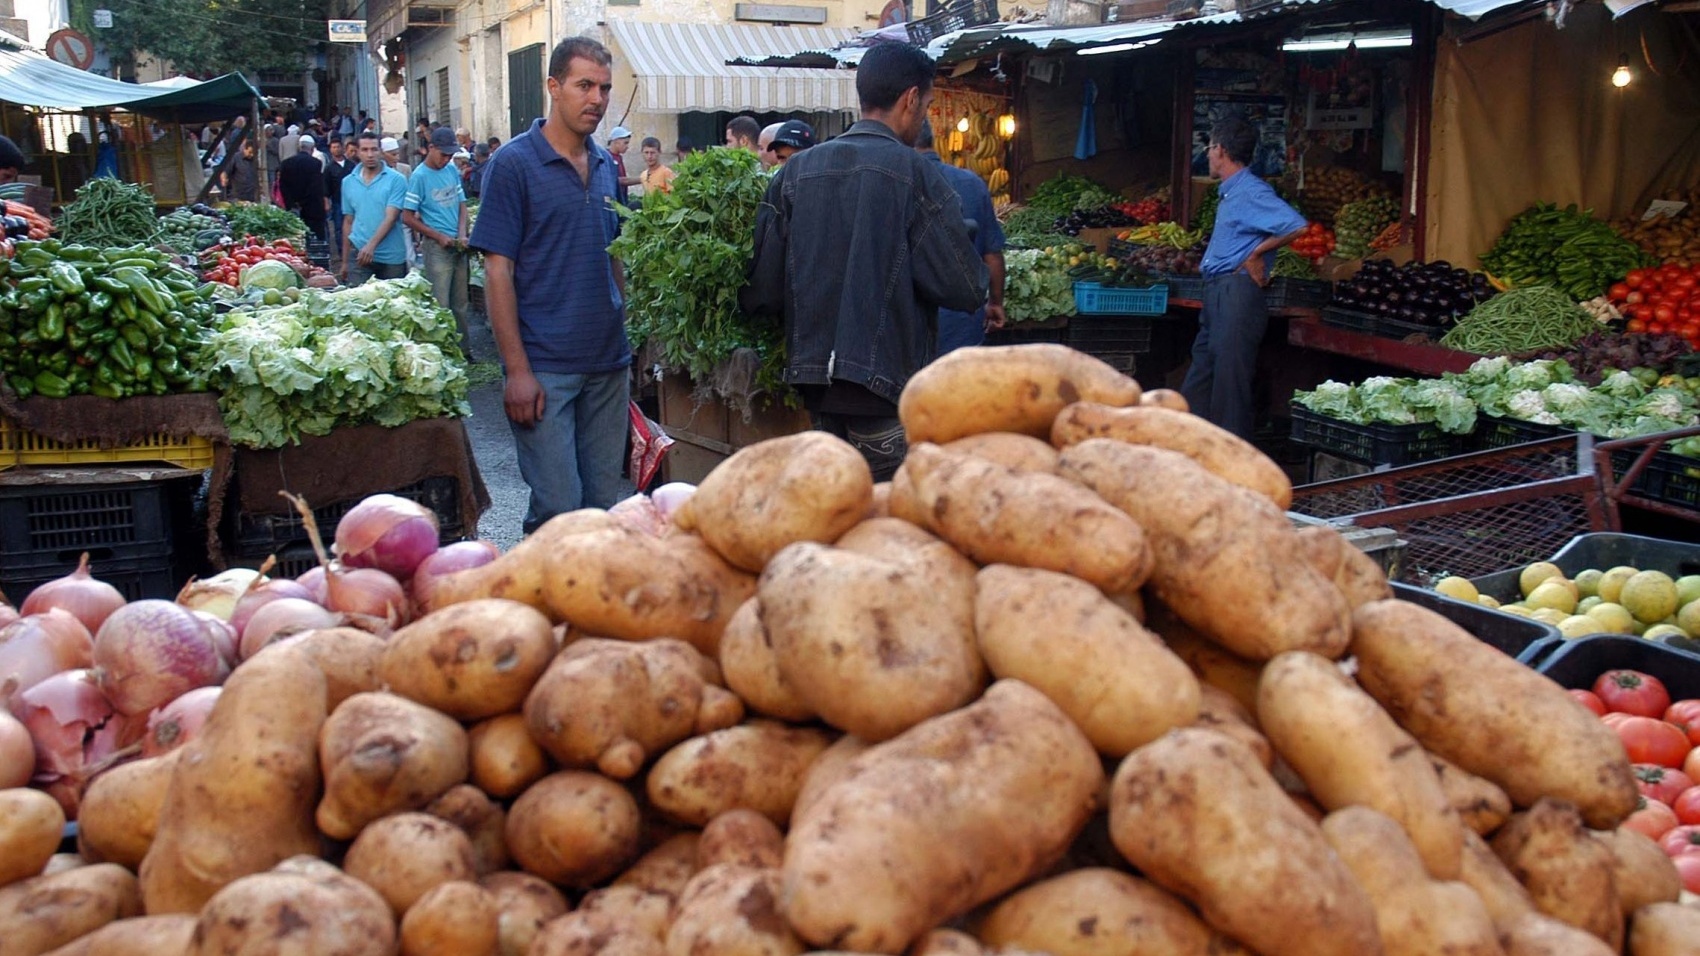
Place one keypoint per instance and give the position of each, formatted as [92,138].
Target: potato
[473,660]
[1100,912]
[1480,804]
[62,862]
[632,908]
[383,753]
[874,644]
[452,919]
[241,796]
[1226,561]
[43,913]
[505,759]
[810,486]
[120,811]
[1665,929]
[404,855]
[518,575]
[1219,711]
[1214,665]
[1470,703]
[348,657]
[991,794]
[666,868]
[743,837]
[524,904]
[1499,891]
[829,768]
[484,821]
[572,828]
[1568,873]
[166,935]
[1165,398]
[946,942]
[1307,707]
[1012,388]
[1536,934]
[997,515]
[752,669]
[1022,453]
[592,934]
[759,765]
[31,827]
[1641,871]
[1356,574]
[1219,451]
[610,704]
[1416,915]
[731,910]
[879,504]
[1113,678]
[1198,815]
[303,906]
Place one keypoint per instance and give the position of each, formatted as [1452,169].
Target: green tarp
[30,79]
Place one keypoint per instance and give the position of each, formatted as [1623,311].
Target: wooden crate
[708,433]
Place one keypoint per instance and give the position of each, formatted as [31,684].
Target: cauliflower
[1528,406]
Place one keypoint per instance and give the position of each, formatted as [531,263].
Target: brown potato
[1226,560]
[311,904]
[381,754]
[166,935]
[43,913]
[593,934]
[61,862]
[31,827]
[519,574]
[946,942]
[120,810]
[742,837]
[473,660]
[811,486]
[1470,703]
[829,768]
[1568,873]
[634,909]
[861,862]
[1537,934]
[1219,451]
[1480,803]
[879,504]
[403,856]
[1100,912]
[1641,871]
[758,765]
[505,759]
[1665,929]
[731,910]
[1022,453]
[1214,664]
[452,919]
[1306,707]
[524,904]
[484,821]
[1117,681]
[666,868]
[348,657]
[575,829]
[1011,388]
[1198,815]
[1499,891]
[1165,398]
[752,669]
[1219,711]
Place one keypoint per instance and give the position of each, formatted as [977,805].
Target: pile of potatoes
[1070,683]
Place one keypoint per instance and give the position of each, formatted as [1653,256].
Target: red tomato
[1635,298]
[1635,278]
[1681,840]
[1686,714]
[1691,765]
[1588,699]
[1688,867]
[1685,281]
[1663,784]
[1652,819]
[1632,692]
[1636,325]
[1664,313]
[1649,740]
[1687,806]
[1618,292]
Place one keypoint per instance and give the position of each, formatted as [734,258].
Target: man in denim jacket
[859,242]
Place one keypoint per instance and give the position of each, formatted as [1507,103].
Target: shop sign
[347,31]
[1352,117]
[103,19]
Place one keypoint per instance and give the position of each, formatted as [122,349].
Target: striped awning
[683,66]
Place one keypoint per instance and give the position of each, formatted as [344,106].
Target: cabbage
[269,274]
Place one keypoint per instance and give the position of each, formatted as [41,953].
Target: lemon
[1612,618]
[1554,595]
[1659,632]
[1578,625]
[1688,589]
[1689,617]
[1457,587]
[1611,583]
[1486,600]
[1588,604]
[1516,609]
[1549,615]
[1650,596]
[1534,574]
[1588,582]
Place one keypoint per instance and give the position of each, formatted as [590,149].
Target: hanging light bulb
[1006,125]
[1621,76]
[962,125]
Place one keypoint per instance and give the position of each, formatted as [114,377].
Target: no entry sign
[71,48]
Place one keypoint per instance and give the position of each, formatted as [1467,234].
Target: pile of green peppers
[78,320]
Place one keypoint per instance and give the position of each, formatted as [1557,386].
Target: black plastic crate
[1024,333]
[1580,662]
[136,577]
[1371,324]
[1673,479]
[1495,432]
[1188,287]
[292,562]
[1520,637]
[264,534]
[1121,335]
[1603,550]
[1286,293]
[1374,444]
[48,523]
[319,252]
[957,16]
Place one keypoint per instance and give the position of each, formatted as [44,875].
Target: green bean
[1521,320]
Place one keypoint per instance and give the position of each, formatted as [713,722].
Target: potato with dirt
[1480,803]
[1214,665]
[1198,815]
[303,906]
[731,910]
[1470,703]
[1113,678]
[1219,451]
[1022,453]
[31,827]
[668,866]
[574,829]
[524,905]
[42,913]
[167,935]
[348,657]
[612,704]
[1100,912]
[1010,388]
[1482,871]
[1219,711]
[504,757]
[759,765]
[473,660]
[1537,934]
[482,819]
[751,668]
[590,934]
[404,855]
[631,907]
[829,768]
[120,810]
[1357,575]
[518,574]
[810,486]
[1641,871]
[382,754]
[1568,873]
[452,919]
[1224,559]
[992,793]
[744,837]
[1665,929]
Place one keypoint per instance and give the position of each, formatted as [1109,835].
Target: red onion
[223,637]
[60,713]
[179,722]
[261,595]
[373,598]
[640,514]
[149,653]
[386,532]
[313,579]
[17,753]
[88,600]
[280,619]
[669,498]
[8,614]
[35,648]
[460,556]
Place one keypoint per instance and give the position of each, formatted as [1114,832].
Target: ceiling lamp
[1621,76]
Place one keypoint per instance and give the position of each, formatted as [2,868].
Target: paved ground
[493,447]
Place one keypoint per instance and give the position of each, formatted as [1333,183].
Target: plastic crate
[1025,333]
[1108,336]
[56,523]
[292,562]
[1603,550]
[135,577]
[1495,432]
[1373,444]
[1524,638]
[958,16]
[319,252]
[1285,293]
[1580,662]
[1090,298]
[20,446]
[264,534]
[1377,325]
[1190,288]
[1673,479]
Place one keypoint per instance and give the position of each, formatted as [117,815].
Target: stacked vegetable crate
[253,537]
[139,535]
[1114,323]
[1375,443]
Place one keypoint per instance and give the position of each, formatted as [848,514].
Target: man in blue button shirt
[960,329]
[435,209]
[555,296]
[1251,223]
[372,197]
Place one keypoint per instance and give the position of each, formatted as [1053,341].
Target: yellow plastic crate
[19,446]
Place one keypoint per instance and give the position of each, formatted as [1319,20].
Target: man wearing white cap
[620,140]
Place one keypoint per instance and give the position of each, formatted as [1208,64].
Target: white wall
[432,50]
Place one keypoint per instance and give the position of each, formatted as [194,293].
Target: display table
[1419,358]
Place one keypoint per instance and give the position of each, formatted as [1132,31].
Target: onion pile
[218,594]
[449,559]
[179,722]
[387,532]
[281,618]
[149,653]
[35,648]
[88,600]
[368,592]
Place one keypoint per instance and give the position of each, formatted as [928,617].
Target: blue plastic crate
[1090,298]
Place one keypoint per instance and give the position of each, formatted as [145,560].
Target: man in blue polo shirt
[372,197]
[961,329]
[1251,223]
[435,210]
[554,295]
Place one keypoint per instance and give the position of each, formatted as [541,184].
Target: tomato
[1664,313]
[1686,806]
[1688,867]
[1686,714]
[1649,740]
[1618,292]
[1636,326]
[1691,766]
[1588,699]
[1686,281]
[1651,819]
[1635,278]
[1632,692]
[1635,298]
[1663,784]
[1681,840]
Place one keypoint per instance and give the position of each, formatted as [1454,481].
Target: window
[421,105]
[525,87]
[444,112]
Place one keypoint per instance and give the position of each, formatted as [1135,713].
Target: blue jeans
[1224,356]
[574,456]
[358,274]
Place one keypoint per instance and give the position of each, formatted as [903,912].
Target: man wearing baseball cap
[793,137]
[11,160]
[435,209]
[620,140]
